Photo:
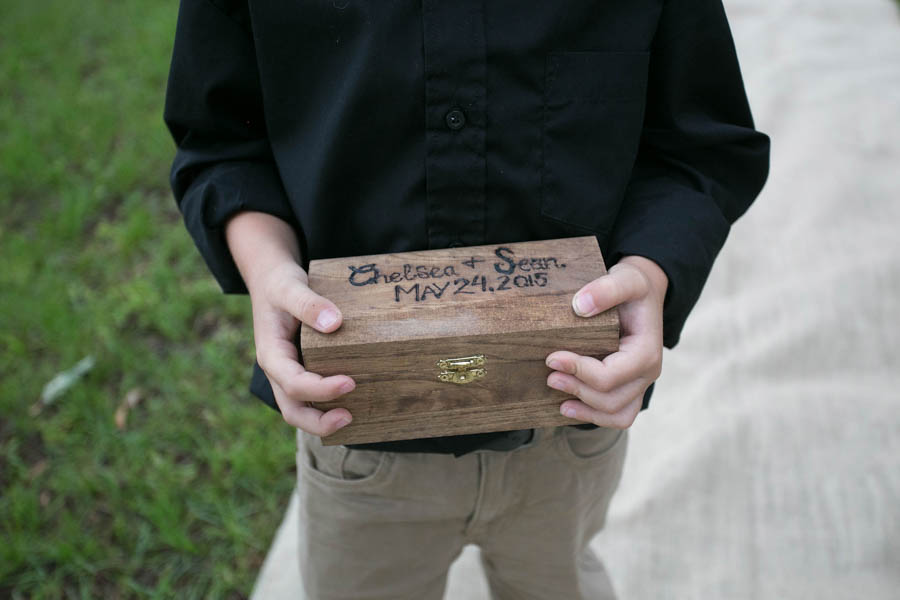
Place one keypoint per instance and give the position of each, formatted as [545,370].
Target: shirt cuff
[219,193]
[680,230]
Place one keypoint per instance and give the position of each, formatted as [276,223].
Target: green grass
[184,500]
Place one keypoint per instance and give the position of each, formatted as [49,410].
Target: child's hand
[281,300]
[266,253]
[611,391]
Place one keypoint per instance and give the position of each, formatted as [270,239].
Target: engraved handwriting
[399,288]
[420,293]
[471,262]
[363,275]
[501,253]
[416,282]
[435,290]
[370,273]
[510,264]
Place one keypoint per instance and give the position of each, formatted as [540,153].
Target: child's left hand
[610,392]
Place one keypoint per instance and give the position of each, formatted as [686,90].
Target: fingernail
[347,387]
[327,318]
[583,304]
[554,364]
[569,412]
[343,423]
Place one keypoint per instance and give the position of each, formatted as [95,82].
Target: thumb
[309,307]
[623,283]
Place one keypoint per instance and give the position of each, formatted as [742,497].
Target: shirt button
[455,119]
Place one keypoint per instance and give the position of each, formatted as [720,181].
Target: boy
[335,128]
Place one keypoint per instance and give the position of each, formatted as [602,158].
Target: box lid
[476,290]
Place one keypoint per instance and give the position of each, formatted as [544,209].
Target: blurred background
[133,462]
[154,474]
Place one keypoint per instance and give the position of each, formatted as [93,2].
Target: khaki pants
[387,526]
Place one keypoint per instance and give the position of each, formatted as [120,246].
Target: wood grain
[390,341]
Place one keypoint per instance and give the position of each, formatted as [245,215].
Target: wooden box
[453,341]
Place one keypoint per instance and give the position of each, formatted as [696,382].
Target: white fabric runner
[769,463]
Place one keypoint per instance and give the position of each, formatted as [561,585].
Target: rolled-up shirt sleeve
[701,163]
[214,111]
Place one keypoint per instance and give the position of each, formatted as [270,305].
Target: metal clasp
[462,370]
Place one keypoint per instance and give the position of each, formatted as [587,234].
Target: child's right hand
[281,302]
[264,249]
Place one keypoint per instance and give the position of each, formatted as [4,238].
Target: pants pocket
[590,445]
[339,466]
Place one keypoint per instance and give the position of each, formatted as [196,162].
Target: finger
[309,419]
[607,402]
[623,419]
[307,306]
[301,385]
[637,360]
[621,284]
[599,375]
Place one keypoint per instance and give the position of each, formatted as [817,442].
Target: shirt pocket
[592,120]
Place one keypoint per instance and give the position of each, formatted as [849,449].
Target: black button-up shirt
[375,126]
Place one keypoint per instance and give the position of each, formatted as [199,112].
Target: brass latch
[461,370]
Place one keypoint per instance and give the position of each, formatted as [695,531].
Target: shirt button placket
[455,70]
